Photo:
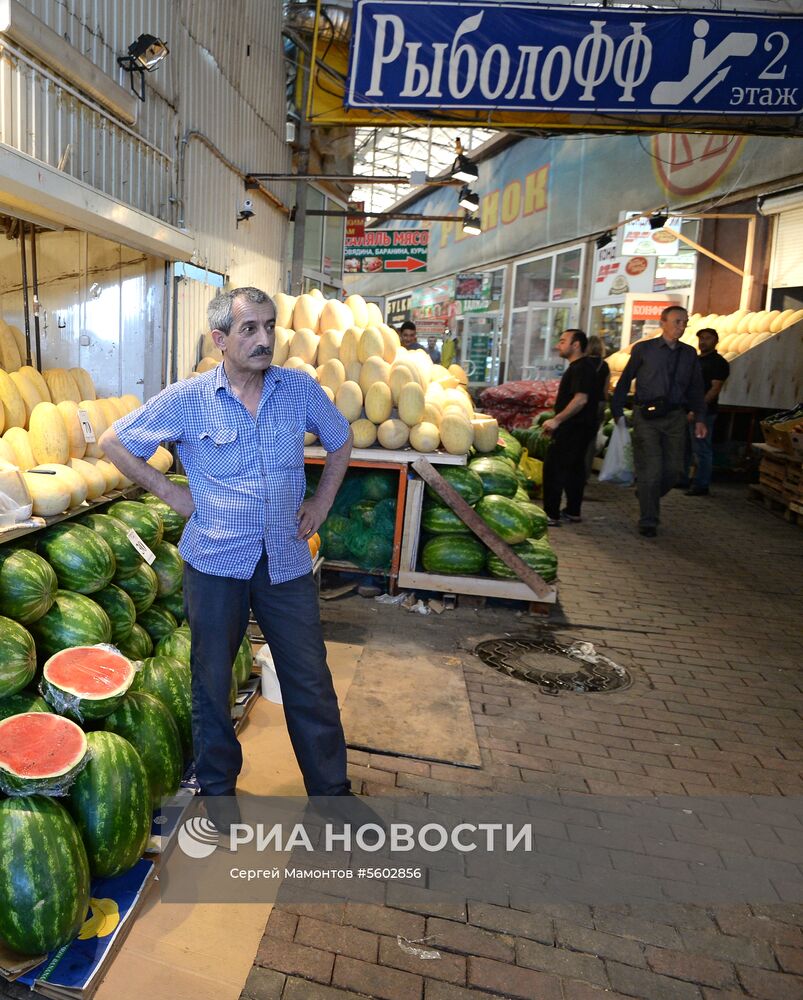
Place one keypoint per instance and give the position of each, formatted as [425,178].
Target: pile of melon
[41,430]
[738,332]
[390,396]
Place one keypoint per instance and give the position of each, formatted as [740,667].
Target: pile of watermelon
[361,525]
[496,489]
[95,710]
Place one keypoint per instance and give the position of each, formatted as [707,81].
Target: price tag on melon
[140,546]
[86,426]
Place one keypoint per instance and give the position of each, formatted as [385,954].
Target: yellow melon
[307,313]
[411,404]
[336,315]
[50,494]
[425,437]
[393,434]
[372,344]
[364,432]
[74,481]
[17,440]
[9,352]
[375,369]
[329,346]
[48,436]
[349,350]
[284,308]
[348,399]
[391,339]
[15,414]
[359,310]
[281,346]
[456,432]
[378,402]
[304,345]
[38,381]
[27,391]
[332,374]
[93,478]
[374,316]
[83,380]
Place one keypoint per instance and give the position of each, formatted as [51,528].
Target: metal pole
[24,262]
[35,276]
[300,219]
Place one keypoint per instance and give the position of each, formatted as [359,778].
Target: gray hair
[220,311]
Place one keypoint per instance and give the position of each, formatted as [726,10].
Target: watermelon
[74,620]
[40,754]
[173,522]
[86,682]
[243,661]
[83,561]
[157,622]
[141,586]
[110,802]
[377,553]
[538,554]
[510,446]
[170,681]
[143,519]
[17,657]
[28,585]
[466,482]
[333,537]
[176,645]
[379,485]
[25,701]
[498,478]
[115,533]
[176,477]
[439,520]
[120,609]
[505,517]
[137,644]
[147,724]
[172,603]
[521,495]
[454,555]
[169,569]
[44,878]
[538,519]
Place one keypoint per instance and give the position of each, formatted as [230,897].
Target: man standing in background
[715,372]
[408,336]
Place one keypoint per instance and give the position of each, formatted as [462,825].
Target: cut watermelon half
[86,682]
[40,754]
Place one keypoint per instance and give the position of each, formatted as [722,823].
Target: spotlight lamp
[658,219]
[605,240]
[143,56]
[471,226]
[468,200]
[462,168]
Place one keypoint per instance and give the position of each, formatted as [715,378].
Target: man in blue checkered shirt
[239,430]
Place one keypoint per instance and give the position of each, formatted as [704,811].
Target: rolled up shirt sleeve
[324,419]
[160,419]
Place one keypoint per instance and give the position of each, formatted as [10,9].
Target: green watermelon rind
[110,802]
[505,518]
[82,560]
[143,519]
[20,704]
[243,661]
[169,569]
[437,520]
[172,522]
[145,721]
[141,586]
[17,657]
[454,555]
[73,620]
[157,622]
[55,783]
[115,533]
[498,479]
[170,681]
[538,555]
[462,479]
[77,705]
[176,645]
[44,878]
[119,607]
[28,585]
[137,645]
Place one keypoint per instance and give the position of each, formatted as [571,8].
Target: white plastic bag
[271,689]
[617,466]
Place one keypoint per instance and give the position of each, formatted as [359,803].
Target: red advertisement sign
[355,224]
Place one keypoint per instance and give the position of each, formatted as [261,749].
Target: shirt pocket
[219,452]
[287,445]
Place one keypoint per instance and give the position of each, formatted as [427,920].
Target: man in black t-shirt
[570,429]
[715,371]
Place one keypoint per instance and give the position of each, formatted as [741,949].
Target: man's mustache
[259,352]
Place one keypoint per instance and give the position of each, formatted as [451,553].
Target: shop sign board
[515,56]
[473,291]
[355,224]
[433,308]
[616,275]
[637,238]
[397,251]
[398,310]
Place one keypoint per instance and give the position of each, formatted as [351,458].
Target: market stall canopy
[667,67]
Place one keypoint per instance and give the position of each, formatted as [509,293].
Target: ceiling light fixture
[143,56]
[471,226]
[605,240]
[468,200]
[462,168]
[658,219]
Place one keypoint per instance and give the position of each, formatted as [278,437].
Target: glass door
[544,325]
[480,340]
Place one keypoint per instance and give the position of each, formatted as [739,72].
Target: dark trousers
[658,449]
[565,469]
[217,612]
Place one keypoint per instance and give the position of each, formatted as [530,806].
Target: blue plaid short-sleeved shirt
[246,476]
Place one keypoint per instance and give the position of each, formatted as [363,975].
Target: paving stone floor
[707,618]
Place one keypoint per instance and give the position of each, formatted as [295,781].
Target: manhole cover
[542,660]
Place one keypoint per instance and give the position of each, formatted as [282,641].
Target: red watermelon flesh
[86,682]
[40,753]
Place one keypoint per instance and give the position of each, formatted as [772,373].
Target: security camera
[246,210]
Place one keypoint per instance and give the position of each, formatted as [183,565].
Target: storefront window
[533,282]
[333,245]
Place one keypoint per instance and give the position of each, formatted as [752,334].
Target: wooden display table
[399,462]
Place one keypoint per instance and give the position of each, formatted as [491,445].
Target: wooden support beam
[472,519]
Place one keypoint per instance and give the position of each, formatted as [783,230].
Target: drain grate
[542,660]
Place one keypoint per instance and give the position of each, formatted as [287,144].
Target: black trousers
[565,469]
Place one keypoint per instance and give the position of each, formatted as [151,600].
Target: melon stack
[389,395]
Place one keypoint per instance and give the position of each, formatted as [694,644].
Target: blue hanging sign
[519,57]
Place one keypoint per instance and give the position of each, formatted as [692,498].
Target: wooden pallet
[775,503]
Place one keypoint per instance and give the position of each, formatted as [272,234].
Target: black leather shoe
[697,491]
[648,532]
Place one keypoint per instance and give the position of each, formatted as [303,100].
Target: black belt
[672,406]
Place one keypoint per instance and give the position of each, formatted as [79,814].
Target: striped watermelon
[538,520]
[74,620]
[114,532]
[170,681]
[110,802]
[120,609]
[137,644]
[25,701]
[169,568]
[243,661]
[537,553]
[40,754]
[461,555]
[141,586]
[465,481]
[143,519]
[505,517]
[44,878]
[497,475]
[82,560]
[17,657]
[172,521]
[147,724]
[176,645]
[439,520]
[28,585]
[174,603]
[86,682]
[157,622]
